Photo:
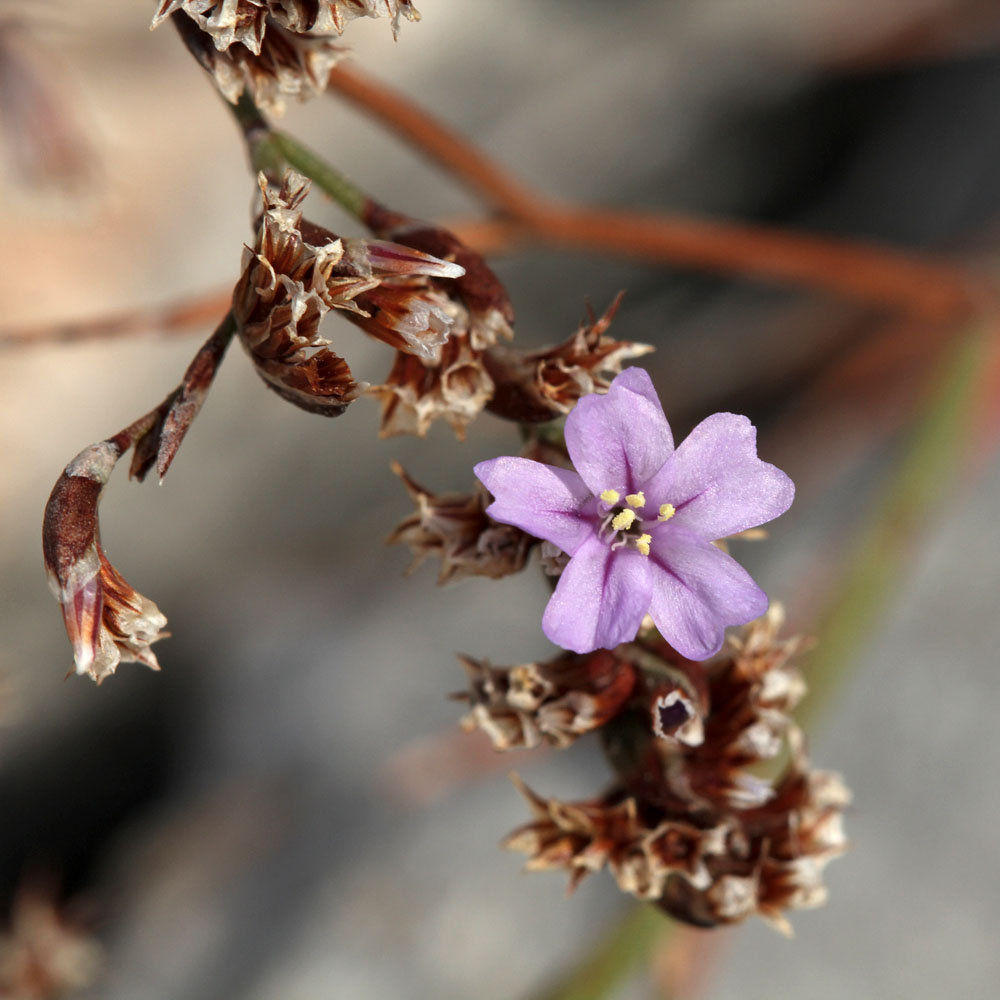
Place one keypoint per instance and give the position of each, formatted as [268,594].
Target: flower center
[621,522]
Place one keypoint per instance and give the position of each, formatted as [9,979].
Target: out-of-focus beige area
[273,816]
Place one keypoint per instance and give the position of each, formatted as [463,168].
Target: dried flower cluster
[455,528]
[552,702]
[297,272]
[541,385]
[689,823]
[274,49]
[454,384]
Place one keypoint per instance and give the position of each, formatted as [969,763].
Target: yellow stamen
[636,499]
[610,496]
[642,544]
[666,512]
[623,521]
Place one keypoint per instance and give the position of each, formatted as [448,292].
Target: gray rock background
[261,821]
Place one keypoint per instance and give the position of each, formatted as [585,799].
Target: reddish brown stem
[920,285]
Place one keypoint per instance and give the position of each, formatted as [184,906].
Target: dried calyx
[454,385]
[298,271]
[273,49]
[689,823]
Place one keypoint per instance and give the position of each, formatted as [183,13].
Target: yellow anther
[636,499]
[610,496]
[642,544]
[623,521]
[666,512]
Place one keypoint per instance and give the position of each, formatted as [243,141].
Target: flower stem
[610,962]
[329,180]
[924,473]
[271,151]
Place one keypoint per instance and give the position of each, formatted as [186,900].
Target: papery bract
[638,518]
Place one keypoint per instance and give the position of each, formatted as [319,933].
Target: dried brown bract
[545,384]
[453,385]
[273,49]
[490,315]
[295,274]
[454,528]
[689,824]
[106,619]
[553,702]
[455,388]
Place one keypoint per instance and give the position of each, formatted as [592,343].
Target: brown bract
[455,528]
[286,289]
[106,619]
[552,702]
[274,49]
[453,385]
[545,384]
[297,272]
[689,823]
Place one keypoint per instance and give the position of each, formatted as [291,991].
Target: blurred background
[288,810]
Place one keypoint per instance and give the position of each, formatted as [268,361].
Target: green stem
[610,962]
[918,486]
[271,151]
[333,183]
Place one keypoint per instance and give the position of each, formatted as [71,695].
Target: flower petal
[601,598]
[543,500]
[716,482]
[697,591]
[617,441]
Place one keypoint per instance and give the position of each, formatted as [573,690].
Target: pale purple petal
[617,441]
[697,591]
[542,500]
[717,483]
[601,598]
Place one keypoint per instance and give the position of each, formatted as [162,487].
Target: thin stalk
[610,962]
[918,486]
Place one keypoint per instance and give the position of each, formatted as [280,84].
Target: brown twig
[934,290]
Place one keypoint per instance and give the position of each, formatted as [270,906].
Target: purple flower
[638,518]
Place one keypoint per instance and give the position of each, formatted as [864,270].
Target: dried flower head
[455,528]
[295,274]
[689,823]
[552,702]
[415,393]
[107,620]
[273,49]
[638,518]
[454,385]
[542,385]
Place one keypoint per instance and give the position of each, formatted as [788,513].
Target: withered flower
[454,384]
[295,274]
[272,48]
[106,619]
[552,702]
[416,393]
[688,823]
[454,527]
[544,384]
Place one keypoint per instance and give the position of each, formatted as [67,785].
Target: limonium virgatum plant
[633,527]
